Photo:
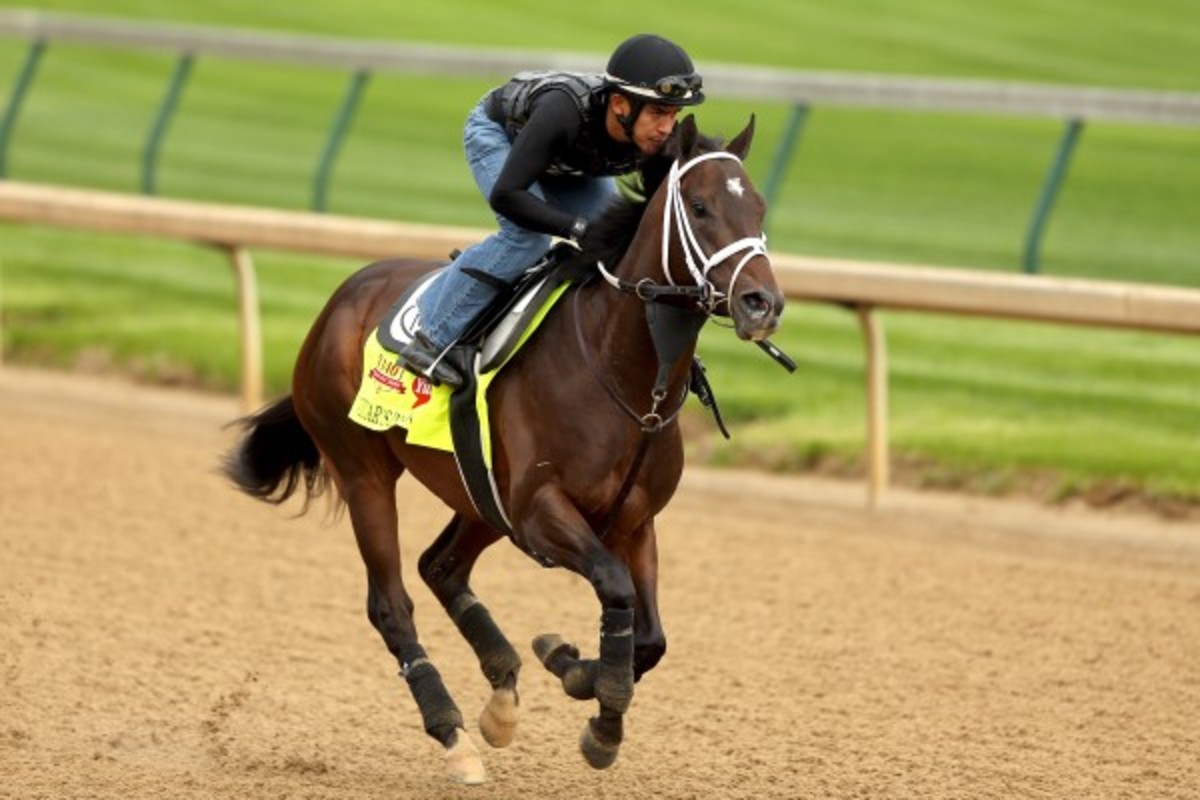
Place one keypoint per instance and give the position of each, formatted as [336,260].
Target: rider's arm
[553,124]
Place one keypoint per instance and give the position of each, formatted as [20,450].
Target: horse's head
[712,230]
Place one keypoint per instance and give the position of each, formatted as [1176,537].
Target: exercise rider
[544,149]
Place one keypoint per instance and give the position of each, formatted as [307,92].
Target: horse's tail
[275,455]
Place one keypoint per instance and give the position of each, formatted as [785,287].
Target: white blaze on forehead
[734,185]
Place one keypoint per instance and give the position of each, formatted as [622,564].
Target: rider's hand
[578,230]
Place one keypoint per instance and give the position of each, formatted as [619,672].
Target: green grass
[973,402]
[980,404]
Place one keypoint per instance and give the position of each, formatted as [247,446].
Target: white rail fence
[863,287]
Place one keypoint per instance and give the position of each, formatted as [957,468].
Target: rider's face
[652,126]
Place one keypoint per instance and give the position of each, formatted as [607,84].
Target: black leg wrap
[555,654]
[608,728]
[562,659]
[438,711]
[497,658]
[614,681]
[579,679]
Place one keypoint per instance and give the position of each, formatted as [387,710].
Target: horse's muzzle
[756,313]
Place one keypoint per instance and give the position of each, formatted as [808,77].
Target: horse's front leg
[639,551]
[555,532]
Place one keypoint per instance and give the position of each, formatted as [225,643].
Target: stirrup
[422,356]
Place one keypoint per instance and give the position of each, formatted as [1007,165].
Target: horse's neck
[616,331]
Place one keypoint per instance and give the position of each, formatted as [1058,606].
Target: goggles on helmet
[678,87]
[672,87]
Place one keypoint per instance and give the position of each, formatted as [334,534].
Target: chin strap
[627,120]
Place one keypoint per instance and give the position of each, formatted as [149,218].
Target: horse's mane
[609,236]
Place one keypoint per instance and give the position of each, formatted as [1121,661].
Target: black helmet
[656,70]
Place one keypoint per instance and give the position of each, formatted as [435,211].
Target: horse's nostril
[757,303]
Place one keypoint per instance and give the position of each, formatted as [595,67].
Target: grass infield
[984,405]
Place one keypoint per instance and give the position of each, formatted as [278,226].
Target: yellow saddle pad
[391,396]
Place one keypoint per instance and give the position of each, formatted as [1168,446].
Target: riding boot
[424,357]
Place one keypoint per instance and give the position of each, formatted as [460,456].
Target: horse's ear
[740,146]
[688,134]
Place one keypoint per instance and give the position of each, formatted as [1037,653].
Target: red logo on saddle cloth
[392,376]
[388,372]
[422,388]
[388,381]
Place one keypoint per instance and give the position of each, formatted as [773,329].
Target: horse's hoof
[579,680]
[598,753]
[498,722]
[549,645]
[463,764]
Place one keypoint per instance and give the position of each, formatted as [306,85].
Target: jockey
[544,148]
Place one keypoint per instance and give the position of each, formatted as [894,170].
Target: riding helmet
[656,70]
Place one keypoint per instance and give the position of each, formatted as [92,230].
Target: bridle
[672,328]
[699,264]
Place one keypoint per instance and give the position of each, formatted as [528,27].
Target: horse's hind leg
[446,568]
[373,514]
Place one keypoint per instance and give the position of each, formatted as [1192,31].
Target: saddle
[487,343]
[495,333]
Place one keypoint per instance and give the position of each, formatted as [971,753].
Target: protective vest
[592,152]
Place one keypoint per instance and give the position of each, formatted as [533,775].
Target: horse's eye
[698,208]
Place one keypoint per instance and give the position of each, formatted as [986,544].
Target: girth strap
[468,447]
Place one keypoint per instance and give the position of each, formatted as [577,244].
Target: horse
[586,446]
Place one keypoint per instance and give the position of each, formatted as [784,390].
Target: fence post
[877,403]
[1054,179]
[158,130]
[13,108]
[783,154]
[341,123]
[249,328]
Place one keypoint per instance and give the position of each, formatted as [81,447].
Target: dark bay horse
[586,448]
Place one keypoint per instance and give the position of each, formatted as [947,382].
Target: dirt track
[162,636]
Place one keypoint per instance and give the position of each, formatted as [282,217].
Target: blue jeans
[450,304]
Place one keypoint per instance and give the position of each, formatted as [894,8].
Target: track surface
[163,636]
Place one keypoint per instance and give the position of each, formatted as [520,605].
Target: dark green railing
[1050,186]
[13,107]
[158,130]
[337,133]
[800,91]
